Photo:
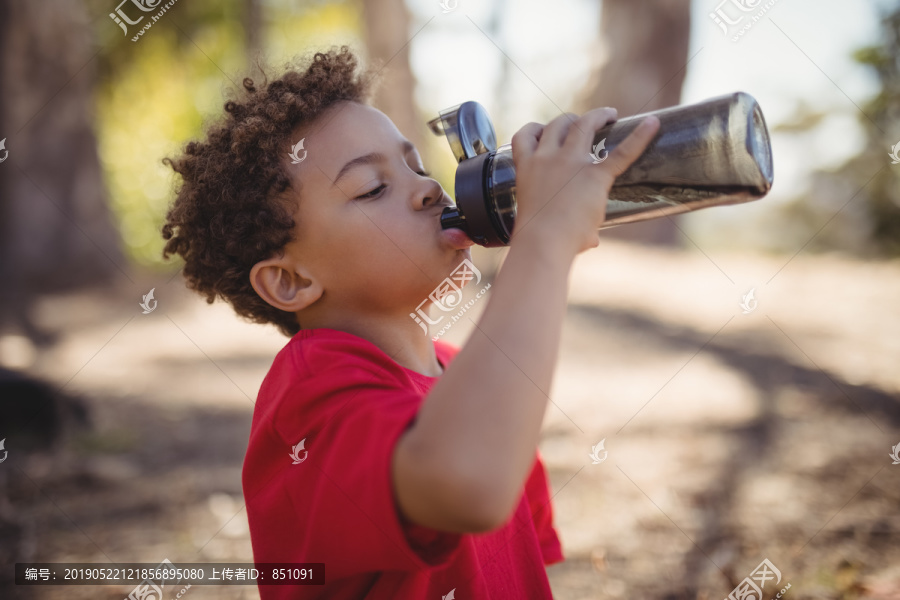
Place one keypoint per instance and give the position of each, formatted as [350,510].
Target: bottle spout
[451,217]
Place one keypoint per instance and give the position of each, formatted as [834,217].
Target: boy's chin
[455,258]
[465,253]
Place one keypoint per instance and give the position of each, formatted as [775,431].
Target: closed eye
[381,187]
[373,193]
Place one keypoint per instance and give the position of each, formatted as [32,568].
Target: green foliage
[883,131]
[854,207]
[156,94]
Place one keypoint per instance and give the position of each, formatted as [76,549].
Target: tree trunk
[643,52]
[387,32]
[55,229]
[253,32]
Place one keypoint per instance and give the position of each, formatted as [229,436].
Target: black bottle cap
[451,217]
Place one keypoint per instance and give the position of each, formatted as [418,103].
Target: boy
[408,467]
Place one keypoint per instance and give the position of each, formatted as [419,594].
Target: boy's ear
[278,283]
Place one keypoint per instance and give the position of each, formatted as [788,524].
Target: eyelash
[381,187]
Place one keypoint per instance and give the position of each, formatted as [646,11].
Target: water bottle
[711,153]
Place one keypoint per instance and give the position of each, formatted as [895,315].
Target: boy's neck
[401,340]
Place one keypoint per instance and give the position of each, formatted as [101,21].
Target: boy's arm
[476,432]
[462,465]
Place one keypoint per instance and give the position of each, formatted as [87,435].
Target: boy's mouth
[456,238]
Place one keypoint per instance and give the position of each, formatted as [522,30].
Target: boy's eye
[373,193]
[381,187]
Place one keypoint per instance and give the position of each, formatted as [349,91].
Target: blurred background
[733,435]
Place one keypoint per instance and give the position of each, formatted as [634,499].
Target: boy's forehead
[353,121]
[350,131]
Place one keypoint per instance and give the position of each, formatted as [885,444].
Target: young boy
[408,467]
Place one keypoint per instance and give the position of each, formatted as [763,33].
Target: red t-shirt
[349,402]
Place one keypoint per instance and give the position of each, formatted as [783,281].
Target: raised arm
[462,465]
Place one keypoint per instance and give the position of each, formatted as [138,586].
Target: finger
[525,140]
[581,134]
[555,132]
[633,146]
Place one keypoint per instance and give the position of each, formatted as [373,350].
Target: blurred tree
[55,229]
[387,34]
[644,55]
[854,207]
[7,303]
[253,30]
[882,195]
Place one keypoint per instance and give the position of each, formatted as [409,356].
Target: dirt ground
[731,437]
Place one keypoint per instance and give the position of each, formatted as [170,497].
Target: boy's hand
[561,194]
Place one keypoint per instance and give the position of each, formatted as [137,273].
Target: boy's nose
[433,194]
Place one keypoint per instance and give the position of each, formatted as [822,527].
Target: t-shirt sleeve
[542,513]
[351,416]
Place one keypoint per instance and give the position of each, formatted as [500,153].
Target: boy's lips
[456,238]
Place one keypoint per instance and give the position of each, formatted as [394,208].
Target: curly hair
[233,207]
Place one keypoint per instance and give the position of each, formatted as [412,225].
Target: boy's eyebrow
[406,146]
